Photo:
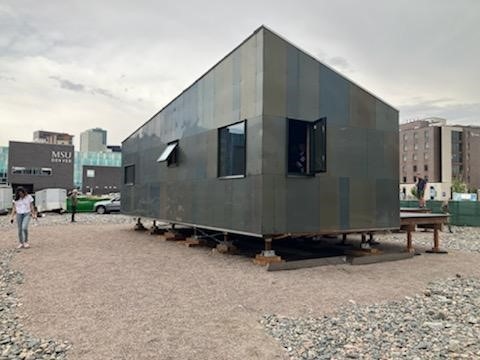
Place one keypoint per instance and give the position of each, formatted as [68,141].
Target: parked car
[107,206]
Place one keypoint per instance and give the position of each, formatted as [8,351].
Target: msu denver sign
[61,157]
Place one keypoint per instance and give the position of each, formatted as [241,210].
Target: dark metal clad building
[37,166]
[100,180]
[269,141]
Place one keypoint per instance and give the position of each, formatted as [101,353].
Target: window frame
[219,131]
[125,174]
[171,157]
[310,147]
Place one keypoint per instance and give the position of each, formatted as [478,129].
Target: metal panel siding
[362,108]
[293,79]
[191,191]
[334,98]
[275,76]
[344,194]
[329,195]
[274,153]
[303,208]
[361,158]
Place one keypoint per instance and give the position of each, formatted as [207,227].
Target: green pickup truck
[85,203]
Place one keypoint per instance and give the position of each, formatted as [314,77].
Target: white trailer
[6,198]
[51,200]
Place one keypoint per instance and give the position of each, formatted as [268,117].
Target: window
[425,156]
[414,157]
[405,137]
[170,154]
[90,173]
[405,147]
[414,179]
[129,175]
[415,136]
[404,179]
[415,146]
[414,168]
[232,150]
[427,145]
[425,167]
[307,146]
[404,158]
[20,170]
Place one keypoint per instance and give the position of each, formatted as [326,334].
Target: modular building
[101,180]
[269,141]
[36,166]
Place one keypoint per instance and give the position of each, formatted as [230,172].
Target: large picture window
[232,150]
[307,147]
[129,175]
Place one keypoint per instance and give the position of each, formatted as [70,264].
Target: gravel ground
[50,219]
[461,238]
[441,323]
[118,294]
[15,343]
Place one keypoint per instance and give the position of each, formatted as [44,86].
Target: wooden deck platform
[409,222]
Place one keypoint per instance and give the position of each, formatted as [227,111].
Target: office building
[93,140]
[36,166]
[50,137]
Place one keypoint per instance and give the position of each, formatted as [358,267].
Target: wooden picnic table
[409,221]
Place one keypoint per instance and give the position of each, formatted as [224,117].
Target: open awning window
[169,154]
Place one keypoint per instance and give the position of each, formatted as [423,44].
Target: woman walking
[23,209]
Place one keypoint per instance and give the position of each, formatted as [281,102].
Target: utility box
[268,142]
[6,198]
[51,200]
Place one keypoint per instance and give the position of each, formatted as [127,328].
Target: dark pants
[74,210]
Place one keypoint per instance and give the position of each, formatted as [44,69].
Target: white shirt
[22,206]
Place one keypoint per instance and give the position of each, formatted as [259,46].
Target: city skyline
[68,73]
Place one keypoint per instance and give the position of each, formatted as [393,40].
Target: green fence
[462,213]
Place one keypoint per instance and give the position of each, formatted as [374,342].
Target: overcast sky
[68,65]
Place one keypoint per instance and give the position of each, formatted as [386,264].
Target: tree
[458,186]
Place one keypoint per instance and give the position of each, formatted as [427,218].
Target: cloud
[7,78]
[69,85]
[339,62]
[450,109]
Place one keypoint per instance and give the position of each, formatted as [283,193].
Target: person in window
[23,209]
[301,159]
[421,185]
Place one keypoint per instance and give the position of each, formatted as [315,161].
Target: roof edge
[196,81]
[327,66]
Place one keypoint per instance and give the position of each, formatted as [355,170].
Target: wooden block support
[192,242]
[226,247]
[265,260]
[169,236]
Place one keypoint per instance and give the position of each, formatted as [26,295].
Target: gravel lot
[113,293]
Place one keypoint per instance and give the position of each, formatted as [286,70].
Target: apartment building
[440,152]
